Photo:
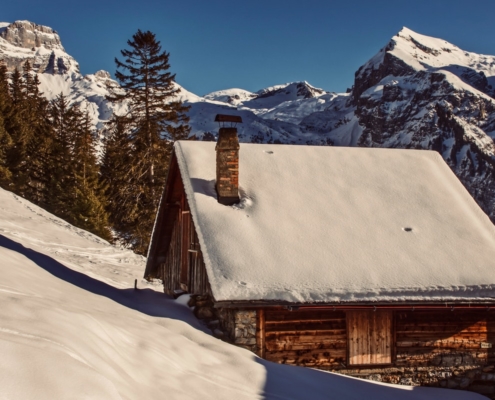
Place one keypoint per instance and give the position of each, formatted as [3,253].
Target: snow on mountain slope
[425,93]
[269,115]
[231,96]
[273,96]
[410,52]
[58,72]
[416,92]
[72,326]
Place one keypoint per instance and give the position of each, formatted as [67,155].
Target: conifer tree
[118,178]
[5,139]
[155,119]
[18,127]
[88,210]
[61,185]
[30,132]
[40,143]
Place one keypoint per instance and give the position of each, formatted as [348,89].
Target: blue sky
[219,44]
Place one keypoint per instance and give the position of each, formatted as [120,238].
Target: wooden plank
[310,358]
[440,344]
[184,273]
[306,335]
[273,315]
[260,332]
[307,321]
[312,345]
[303,326]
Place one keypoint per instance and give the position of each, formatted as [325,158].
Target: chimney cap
[228,118]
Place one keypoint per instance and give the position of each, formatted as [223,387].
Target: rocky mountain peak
[28,35]
[23,41]
[296,89]
[409,52]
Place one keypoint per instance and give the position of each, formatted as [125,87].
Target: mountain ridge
[415,92]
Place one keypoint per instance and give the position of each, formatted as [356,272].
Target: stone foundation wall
[477,379]
[236,326]
[239,327]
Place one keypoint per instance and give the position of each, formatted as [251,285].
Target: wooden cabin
[376,263]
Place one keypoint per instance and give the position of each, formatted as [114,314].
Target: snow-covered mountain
[58,72]
[425,93]
[416,92]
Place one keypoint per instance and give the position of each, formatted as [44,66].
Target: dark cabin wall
[182,266]
[310,338]
[452,349]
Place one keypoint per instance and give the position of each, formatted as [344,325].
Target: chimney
[227,149]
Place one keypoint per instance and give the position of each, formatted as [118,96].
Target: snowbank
[72,326]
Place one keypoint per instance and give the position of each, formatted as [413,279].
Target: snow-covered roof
[336,224]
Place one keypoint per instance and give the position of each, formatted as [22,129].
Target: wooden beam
[260,332]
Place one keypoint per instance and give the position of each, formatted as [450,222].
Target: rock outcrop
[24,41]
[28,35]
[424,93]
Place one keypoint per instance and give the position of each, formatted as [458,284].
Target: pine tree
[18,127]
[5,139]
[118,177]
[30,131]
[155,119]
[61,184]
[88,210]
[40,143]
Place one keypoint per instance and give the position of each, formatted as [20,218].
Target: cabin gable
[176,256]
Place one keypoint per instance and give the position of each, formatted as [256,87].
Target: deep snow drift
[72,326]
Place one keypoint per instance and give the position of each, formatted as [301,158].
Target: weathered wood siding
[171,267]
[198,279]
[183,268]
[369,337]
[444,338]
[451,349]
[309,338]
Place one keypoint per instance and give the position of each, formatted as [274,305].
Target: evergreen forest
[108,182]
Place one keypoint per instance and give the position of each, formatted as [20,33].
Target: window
[369,335]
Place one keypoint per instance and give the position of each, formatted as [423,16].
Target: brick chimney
[227,149]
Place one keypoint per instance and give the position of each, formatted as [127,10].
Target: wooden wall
[444,338]
[415,338]
[183,268]
[310,338]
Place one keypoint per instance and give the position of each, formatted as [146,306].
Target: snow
[428,53]
[327,224]
[3,25]
[232,96]
[274,114]
[72,326]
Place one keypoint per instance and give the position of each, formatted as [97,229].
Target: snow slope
[72,326]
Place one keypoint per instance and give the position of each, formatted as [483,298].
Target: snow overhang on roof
[335,224]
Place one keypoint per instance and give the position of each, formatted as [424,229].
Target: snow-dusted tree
[156,118]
